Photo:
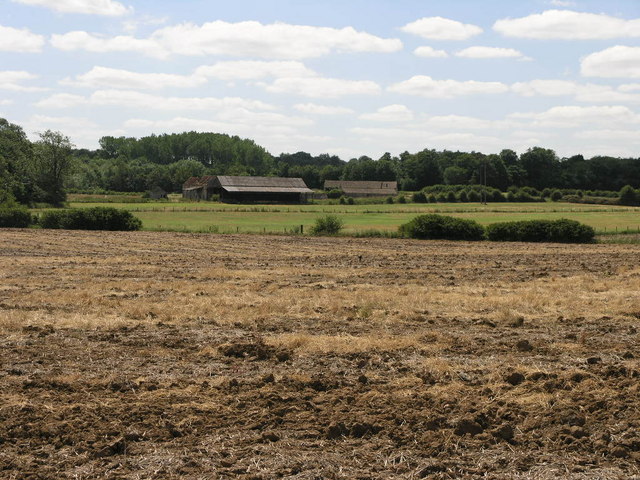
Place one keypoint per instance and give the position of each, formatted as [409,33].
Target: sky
[349,77]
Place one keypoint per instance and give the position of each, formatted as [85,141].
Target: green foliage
[432,198]
[350,200]
[402,199]
[628,196]
[559,231]
[389,200]
[16,217]
[434,226]
[335,193]
[556,195]
[343,200]
[327,225]
[463,197]
[97,218]
[419,197]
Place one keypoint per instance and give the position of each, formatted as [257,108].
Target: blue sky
[349,78]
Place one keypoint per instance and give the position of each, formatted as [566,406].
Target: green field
[226,218]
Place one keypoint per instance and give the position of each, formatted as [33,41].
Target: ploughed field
[163,355]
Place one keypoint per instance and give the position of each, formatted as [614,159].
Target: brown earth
[166,356]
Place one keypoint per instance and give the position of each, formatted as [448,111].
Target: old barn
[247,189]
[362,188]
[198,188]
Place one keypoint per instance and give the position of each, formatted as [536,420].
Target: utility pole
[484,183]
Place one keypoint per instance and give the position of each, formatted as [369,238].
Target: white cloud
[91,7]
[316,109]
[11,80]
[606,134]
[100,77]
[438,28]
[317,87]
[573,116]
[249,39]
[82,131]
[254,69]
[425,86]
[20,40]
[619,61]
[489,52]
[582,92]
[562,3]
[132,99]
[430,52]
[390,113]
[568,25]
[80,40]
[6,102]
[461,122]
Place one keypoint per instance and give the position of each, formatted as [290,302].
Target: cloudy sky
[356,77]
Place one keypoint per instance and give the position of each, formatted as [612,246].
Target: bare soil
[166,356]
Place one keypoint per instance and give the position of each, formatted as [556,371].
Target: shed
[198,188]
[261,189]
[363,188]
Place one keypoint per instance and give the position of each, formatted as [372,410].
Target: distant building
[362,189]
[157,193]
[198,188]
[235,189]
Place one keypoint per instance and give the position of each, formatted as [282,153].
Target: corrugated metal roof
[263,184]
[267,189]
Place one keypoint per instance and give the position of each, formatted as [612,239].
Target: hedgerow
[559,231]
[97,218]
[15,217]
[432,226]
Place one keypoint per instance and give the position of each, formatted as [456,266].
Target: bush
[628,196]
[432,198]
[556,195]
[97,218]
[451,197]
[434,226]
[389,200]
[474,196]
[16,217]
[546,193]
[343,200]
[463,197]
[335,193]
[327,225]
[419,197]
[559,231]
[350,200]
[402,199]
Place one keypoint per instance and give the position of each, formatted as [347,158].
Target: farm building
[198,188]
[362,189]
[261,189]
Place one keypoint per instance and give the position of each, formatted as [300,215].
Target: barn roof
[363,187]
[263,184]
[193,183]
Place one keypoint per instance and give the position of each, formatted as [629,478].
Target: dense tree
[53,163]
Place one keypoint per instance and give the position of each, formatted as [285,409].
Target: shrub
[16,217]
[451,197]
[546,193]
[419,197]
[327,225]
[474,196]
[628,196]
[434,226]
[350,200]
[497,196]
[389,200]
[432,198]
[97,218]
[559,231]
[462,197]
[556,195]
[402,199]
[343,200]
[335,193]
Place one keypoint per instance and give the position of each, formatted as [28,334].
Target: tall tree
[53,163]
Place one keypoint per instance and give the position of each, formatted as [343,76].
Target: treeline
[41,171]
[129,164]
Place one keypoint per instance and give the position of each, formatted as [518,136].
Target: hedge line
[15,218]
[97,218]
[434,226]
